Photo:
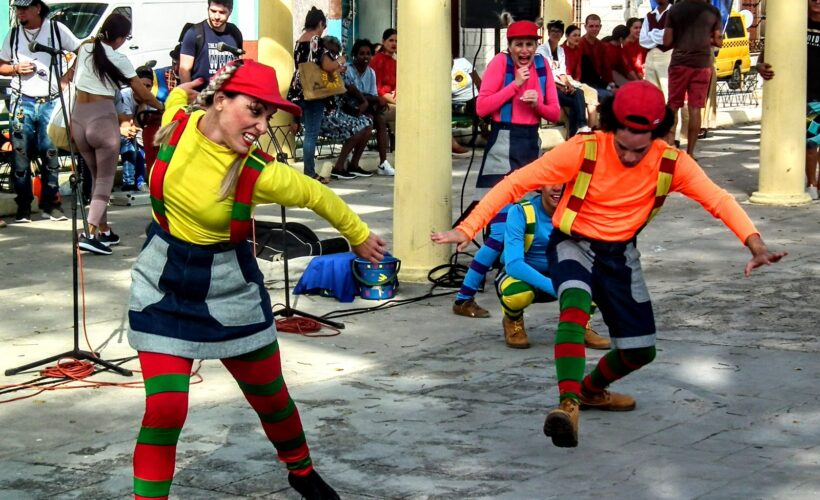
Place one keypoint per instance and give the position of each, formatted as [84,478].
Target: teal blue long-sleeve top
[531,267]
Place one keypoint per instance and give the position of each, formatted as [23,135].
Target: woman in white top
[569,97]
[94,127]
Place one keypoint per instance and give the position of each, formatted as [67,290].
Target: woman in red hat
[517,91]
[197,292]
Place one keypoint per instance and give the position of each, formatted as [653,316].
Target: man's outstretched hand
[451,236]
[761,256]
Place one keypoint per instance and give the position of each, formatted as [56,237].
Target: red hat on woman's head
[522,29]
[639,105]
[258,80]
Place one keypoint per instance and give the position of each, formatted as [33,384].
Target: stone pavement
[415,402]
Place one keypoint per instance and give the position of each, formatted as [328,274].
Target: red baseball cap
[258,80]
[642,101]
[522,29]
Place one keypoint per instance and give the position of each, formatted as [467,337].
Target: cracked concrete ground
[415,402]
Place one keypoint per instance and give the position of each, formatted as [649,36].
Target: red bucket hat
[258,80]
[640,100]
[522,29]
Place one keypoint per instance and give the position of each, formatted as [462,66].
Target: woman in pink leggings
[94,126]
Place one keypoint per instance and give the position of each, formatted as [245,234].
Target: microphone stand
[287,311]
[75,180]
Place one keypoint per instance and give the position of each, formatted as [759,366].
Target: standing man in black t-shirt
[812,95]
[693,27]
[200,56]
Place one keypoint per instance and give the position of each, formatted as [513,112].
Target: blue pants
[485,257]
[133,164]
[29,136]
[576,110]
[312,114]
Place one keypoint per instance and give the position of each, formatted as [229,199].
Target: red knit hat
[640,100]
[258,80]
[522,29]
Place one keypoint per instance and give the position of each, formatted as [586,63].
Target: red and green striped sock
[575,305]
[166,406]
[259,375]
[615,365]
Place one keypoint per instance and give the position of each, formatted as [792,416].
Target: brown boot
[607,401]
[470,309]
[594,341]
[514,333]
[562,424]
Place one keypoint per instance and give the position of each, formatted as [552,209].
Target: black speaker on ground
[484,13]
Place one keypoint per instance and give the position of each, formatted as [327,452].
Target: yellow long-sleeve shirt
[191,189]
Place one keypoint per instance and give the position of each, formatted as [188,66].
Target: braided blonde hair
[203,101]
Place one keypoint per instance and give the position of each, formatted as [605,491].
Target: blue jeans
[312,113]
[133,170]
[29,136]
[576,110]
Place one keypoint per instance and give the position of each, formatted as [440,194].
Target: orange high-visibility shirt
[619,198]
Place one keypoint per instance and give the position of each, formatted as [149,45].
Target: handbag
[318,83]
[57,130]
[350,104]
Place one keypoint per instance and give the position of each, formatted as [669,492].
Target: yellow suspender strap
[529,217]
[665,173]
[581,185]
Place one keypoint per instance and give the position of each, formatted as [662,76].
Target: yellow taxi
[733,61]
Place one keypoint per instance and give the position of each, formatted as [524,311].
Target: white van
[155,24]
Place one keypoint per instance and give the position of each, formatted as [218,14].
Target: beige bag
[57,130]
[318,83]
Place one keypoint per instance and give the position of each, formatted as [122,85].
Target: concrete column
[422,190]
[783,125]
[276,49]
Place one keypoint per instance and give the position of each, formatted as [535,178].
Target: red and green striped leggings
[259,375]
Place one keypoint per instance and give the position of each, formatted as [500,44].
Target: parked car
[732,62]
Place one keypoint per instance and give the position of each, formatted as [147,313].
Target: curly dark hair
[608,122]
[358,44]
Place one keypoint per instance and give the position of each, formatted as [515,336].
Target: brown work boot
[470,309]
[561,424]
[594,341]
[607,401]
[514,333]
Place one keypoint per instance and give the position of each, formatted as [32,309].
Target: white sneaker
[386,169]
[584,130]
[812,190]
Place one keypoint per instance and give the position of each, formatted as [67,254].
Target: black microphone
[33,46]
[224,47]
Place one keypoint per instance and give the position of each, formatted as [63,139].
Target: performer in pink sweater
[517,91]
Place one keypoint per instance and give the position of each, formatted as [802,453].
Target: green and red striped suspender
[251,168]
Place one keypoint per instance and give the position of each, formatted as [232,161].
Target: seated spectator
[593,58]
[572,57]
[634,54]
[165,79]
[569,97]
[384,64]
[464,84]
[133,162]
[360,80]
[352,131]
[613,66]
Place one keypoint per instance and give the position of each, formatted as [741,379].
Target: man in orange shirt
[617,180]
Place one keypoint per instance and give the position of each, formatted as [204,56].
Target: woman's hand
[190,88]
[522,74]
[451,236]
[530,97]
[372,248]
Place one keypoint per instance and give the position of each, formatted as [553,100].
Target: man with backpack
[35,87]
[201,55]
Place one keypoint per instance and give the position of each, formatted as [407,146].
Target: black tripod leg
[56,357]
[287,312]
[88,356]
